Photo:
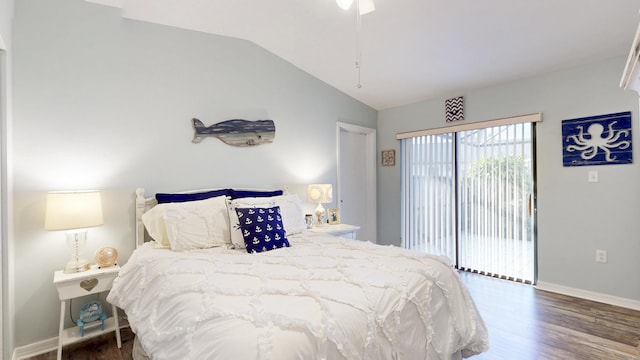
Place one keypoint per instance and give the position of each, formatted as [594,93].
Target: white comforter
[322,298]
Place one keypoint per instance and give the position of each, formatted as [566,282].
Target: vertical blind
[469,195]
[428,202]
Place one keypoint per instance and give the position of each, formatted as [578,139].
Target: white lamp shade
[68,210]
[320,193]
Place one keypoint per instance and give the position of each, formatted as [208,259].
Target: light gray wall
[6,15]
[102,102]
[574,217]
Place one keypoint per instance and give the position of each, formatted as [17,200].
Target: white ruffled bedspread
[322,298]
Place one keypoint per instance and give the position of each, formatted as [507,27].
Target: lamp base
[76,266]
[76,241]
[320,215]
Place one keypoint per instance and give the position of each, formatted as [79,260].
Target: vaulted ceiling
[412,50]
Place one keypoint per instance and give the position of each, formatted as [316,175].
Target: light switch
[593,176]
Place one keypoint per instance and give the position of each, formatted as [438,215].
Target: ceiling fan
[364,6]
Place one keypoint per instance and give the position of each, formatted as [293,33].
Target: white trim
[629,80]
[6,210]
[536,117]
[371,171]
[35,349]
[589,295]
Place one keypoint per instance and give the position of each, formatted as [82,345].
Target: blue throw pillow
[236,194]
[176,198]
[262,228]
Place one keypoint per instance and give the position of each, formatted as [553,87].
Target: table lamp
[74,211]
[321,194]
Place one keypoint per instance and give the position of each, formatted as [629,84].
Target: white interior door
[356,193]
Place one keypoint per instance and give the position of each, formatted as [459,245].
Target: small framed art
[388,157]
[334,216]
[454,109]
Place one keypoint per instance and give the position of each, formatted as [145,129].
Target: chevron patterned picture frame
[454,109]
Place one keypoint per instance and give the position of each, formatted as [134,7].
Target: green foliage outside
[497,188]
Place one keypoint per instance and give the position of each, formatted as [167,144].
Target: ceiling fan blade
[344,4]
[366,6]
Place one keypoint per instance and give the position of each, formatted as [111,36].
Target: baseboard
[45,346]
[589,295]
[37,348]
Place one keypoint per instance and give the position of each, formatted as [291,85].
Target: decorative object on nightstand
[74,211]
[106,256]
[89,312]
[75,285]
[321,194]
[334,216]
[308,219]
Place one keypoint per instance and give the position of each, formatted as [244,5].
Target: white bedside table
[344,231]
[71,286]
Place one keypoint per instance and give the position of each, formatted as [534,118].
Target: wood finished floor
[529,324]
[524,324]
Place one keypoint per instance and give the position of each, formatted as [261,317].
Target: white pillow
[153,221]
[190,225]
[292,213]
[290,209]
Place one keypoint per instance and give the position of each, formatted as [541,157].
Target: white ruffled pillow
[290,207]
[153,221]
[190,225]
[292,213]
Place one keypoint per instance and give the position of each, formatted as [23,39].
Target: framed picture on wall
[388,157]
[334,216]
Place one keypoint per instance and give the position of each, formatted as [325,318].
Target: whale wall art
[236,132]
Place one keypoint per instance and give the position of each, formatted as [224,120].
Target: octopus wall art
[597,140]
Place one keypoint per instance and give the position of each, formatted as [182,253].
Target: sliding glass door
[495,202]
[469,195]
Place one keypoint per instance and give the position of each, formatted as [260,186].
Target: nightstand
[71,286]
[344,231]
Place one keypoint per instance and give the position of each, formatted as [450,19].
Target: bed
[312,296]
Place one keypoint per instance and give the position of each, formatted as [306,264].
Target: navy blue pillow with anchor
[262,228]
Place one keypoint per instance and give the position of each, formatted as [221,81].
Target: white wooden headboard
[142,205]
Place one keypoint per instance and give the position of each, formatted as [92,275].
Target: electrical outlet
[601,256]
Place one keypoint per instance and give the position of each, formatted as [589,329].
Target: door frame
[371,191]
[5,261]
